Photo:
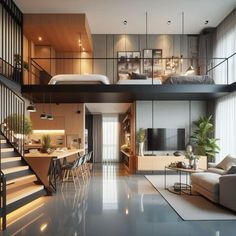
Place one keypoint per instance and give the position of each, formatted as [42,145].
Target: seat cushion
[208,182]
[226,163]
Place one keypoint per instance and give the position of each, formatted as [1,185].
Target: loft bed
[99,90]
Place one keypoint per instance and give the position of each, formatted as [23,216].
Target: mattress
[79,79]
[139,81]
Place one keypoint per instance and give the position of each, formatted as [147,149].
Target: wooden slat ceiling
[61,31]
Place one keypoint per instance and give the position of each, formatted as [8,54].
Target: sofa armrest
[228,191]
[211,165]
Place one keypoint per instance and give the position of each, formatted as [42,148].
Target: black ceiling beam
[123,93]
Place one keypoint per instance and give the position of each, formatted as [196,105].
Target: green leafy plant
[141,136]
[46,142]
[19,124]
[201,138]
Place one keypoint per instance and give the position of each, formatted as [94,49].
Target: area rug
[190,207]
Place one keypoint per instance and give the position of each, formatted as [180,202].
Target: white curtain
[225,46]
[110,127]
[226,125]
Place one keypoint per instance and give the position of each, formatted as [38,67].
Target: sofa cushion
[227,162]
[208,181]
[217,171]
[232,170]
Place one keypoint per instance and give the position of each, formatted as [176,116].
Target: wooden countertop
[55,154]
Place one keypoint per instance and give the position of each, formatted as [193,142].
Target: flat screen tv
[165,139]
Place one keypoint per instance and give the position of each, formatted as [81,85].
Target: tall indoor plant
[19,124]
[141,136]
[202,138]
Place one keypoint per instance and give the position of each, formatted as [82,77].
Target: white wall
[169,114]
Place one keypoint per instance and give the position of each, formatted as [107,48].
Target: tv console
[158,163]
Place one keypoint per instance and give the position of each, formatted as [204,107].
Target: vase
[195,164]
[190,163]
[140,149]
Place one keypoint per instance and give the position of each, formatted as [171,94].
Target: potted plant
[19,124]
[46,142]
[141,136]
[201,138]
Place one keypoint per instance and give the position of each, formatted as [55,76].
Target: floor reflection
[110,203]
[109,185]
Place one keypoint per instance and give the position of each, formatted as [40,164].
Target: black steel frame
[11,42]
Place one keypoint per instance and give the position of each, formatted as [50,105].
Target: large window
[225,46]
[226,125]
[110,126]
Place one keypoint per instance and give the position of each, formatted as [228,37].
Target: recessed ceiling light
[168,22]
[206,22]
[40,38]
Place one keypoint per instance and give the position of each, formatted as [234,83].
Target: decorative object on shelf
[189,154]
[204,145]
[46,142]
[141,136]
[177,153]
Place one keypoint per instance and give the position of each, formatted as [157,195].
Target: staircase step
[23,179]
[5,145]
[10,159]
[14,169]
[3,141]
[7,150]
[18,194]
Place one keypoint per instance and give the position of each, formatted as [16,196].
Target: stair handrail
[3,200]
[12,118]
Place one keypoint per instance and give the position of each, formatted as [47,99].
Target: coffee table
[180,187]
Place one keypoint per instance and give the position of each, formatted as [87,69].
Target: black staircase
[17,179]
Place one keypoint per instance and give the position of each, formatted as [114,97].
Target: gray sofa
[218,184]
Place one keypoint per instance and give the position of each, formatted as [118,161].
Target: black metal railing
[3,200]
[11,41]
[12,118]
[37,74]
[158,68]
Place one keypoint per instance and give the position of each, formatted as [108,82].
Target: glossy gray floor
[111,203]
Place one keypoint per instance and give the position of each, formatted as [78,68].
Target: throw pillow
[124,76]
[138,76]
[227,163]
[232,170]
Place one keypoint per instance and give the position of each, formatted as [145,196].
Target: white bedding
[79,79]
[139,81]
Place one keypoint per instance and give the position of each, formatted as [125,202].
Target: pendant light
[43,115]
[31,107]
[49,116]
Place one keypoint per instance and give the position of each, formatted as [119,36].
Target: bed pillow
[124,76]
[138,76]
[227,163]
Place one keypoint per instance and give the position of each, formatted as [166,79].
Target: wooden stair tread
[20,193]
[3,141]
[10,159]
[14,169]
[24,178]
[7,149]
